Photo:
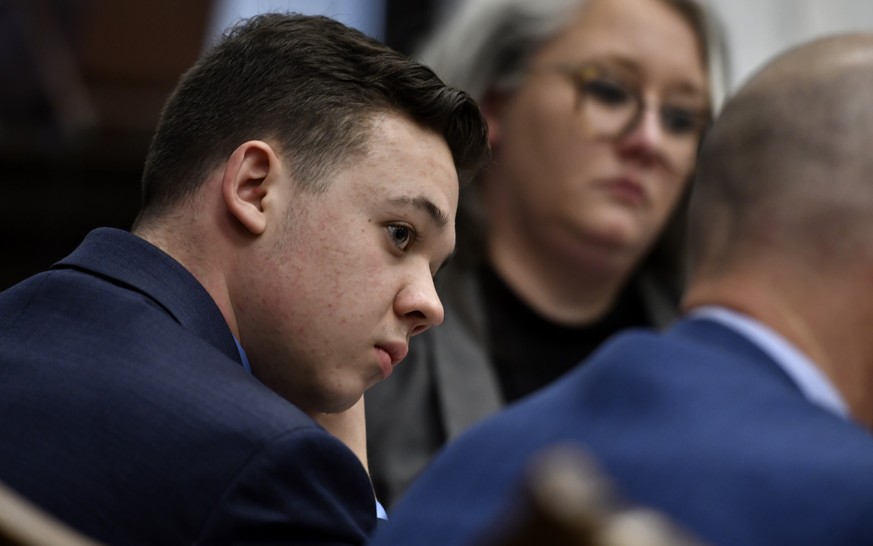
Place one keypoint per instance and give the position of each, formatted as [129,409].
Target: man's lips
[389,355]
[395,351]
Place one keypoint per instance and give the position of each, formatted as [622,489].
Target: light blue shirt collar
[811,381]
[243,356]
[380,511]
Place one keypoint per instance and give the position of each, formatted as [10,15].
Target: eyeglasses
[611,107]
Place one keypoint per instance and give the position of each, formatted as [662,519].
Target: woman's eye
[681,121]
[401,235]
[606,92]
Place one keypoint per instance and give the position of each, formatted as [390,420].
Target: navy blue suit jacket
[696,422]
[125,412]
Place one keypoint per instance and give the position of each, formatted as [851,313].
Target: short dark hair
[312,84]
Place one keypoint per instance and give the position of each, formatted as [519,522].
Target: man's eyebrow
[439,217]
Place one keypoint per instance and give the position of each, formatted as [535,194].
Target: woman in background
[595,111]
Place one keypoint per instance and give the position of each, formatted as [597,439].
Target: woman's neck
[571,287]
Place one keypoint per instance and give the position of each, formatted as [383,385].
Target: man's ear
[248,174]
[493,103]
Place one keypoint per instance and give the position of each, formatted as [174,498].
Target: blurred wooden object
[23,524]
[567,501]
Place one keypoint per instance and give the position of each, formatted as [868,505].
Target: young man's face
[347,278]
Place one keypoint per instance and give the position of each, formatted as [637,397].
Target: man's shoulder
[678,424]
[663,390]
[119,381]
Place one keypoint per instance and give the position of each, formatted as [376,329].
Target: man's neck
[805,316]
[201,264]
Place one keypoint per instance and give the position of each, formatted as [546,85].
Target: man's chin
[334,402]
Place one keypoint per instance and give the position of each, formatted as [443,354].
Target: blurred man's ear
[492,106]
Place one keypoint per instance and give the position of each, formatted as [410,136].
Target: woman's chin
[618,231]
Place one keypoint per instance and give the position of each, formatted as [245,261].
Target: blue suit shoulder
[149,429]
[703,427]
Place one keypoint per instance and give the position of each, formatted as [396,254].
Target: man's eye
[402,236]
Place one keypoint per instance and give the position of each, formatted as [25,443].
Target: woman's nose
[645,137]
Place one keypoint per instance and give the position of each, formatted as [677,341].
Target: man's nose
[419,305]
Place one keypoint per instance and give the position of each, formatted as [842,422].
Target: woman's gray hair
[485,44]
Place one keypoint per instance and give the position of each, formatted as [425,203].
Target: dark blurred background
[83,82]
